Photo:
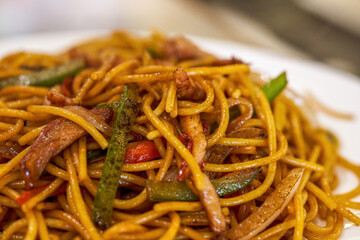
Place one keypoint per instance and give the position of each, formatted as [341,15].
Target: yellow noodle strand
[10,165]
[13,228]
[299,216]
[202,107]
[224,119]
[22,103]
[34,91]
[180,148]
[242,142]
[73,117]
[123,227]
[30,204]
[171,97]
[331,204]
[110,75]
[79,202]
[173,228]
[43,231]
[11,132]
[253,163]
[32,228]
[82,160]
[29,136]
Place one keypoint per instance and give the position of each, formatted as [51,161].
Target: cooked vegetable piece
[271,90]
[93,154]
[270,209]
[141,153]
[27,195]
[192,126]
[126,113]
[179,191]
[55,137]
[218,153]
[234,112]
[48,77]
[275,86]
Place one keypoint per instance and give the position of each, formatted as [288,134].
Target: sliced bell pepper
[179,191]
[275,87]
[109,181]
[141,153]
[47,77]
[27,195]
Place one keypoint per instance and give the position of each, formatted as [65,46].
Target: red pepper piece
[186,140]
[182,171]
[206,127]
[143,152]
[27,195]
[66,87]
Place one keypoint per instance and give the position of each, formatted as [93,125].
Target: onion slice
[92,118]
[270,209]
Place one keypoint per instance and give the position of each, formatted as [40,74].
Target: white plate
[336,89]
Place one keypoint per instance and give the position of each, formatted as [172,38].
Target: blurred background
[323,30]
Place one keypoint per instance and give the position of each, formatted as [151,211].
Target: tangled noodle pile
[124,137]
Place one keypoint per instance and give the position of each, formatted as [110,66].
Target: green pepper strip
[93,154]
[275,86]
[46,78]
[108,185]
[158,191]
[271,90]
[234,112]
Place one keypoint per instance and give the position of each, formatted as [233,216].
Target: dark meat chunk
[54,138]
[186,87]
[182,49]
[56,98]
[9,150]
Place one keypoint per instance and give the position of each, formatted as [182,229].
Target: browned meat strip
[54,138]
[192,126]
[211,203]
[181,48]
[186,87]
[9,150]
[218,153]
[56,98]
